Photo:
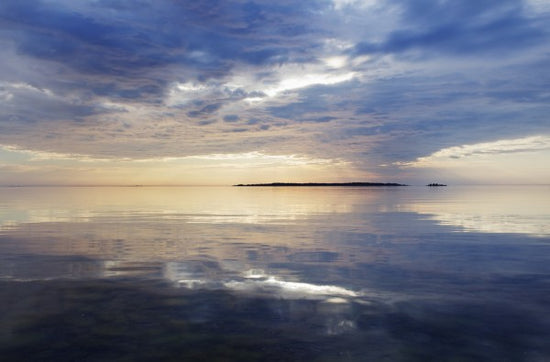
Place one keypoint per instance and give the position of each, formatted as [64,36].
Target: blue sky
[216,92]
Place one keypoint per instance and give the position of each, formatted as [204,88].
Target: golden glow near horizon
[211,169]
[522,160]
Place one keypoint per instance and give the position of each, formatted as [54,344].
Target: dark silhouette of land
[435,184]
[317,184]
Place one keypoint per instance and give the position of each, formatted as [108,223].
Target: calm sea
[313,274]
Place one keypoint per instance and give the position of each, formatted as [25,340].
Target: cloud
[39,156]
[205,110]
[257,158]
[307,80]
[122,41]
[500,147]
[24,103]
[231,118]
[343,4]
[460,28]
[369,82]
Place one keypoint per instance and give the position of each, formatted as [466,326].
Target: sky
[166,92]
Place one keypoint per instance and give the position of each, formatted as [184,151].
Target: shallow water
[223,273]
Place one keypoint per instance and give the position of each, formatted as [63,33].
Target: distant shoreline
[320,184]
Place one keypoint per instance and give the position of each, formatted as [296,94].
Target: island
[322,184]
[435,184]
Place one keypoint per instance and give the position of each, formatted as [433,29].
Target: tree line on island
[315,184]
[324,184]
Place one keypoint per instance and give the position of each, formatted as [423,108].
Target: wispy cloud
[518,145]
[248,159]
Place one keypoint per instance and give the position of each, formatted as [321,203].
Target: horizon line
[265,184]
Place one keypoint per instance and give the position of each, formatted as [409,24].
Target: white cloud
[6,96]
[306,80]
[49,156]
[182,93]
[28,87]
[336,61]
[257,158]
[10,90]
[279,81]
[341,4]
[518,145]
[538,6]
[337,45]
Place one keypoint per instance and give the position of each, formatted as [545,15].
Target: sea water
[275,273]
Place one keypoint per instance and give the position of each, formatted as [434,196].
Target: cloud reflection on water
[261,283]
[363,264]
[142,231]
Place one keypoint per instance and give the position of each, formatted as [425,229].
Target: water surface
[224,273]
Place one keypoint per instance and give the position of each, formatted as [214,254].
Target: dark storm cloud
[206,122]
[239,130]
[231,118]
[28,106]
[93,46]
[206,110]
[298,111]
[125,39]
[461,28]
